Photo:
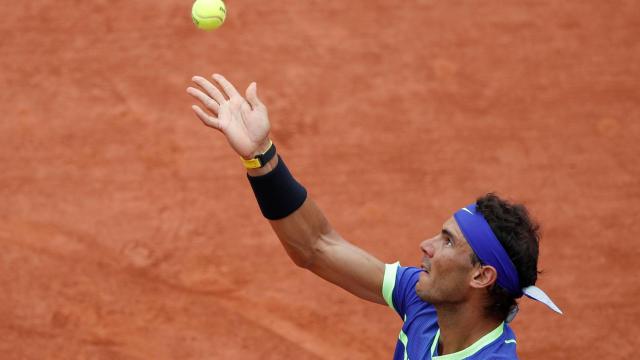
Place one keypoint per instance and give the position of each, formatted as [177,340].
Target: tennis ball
[208,14]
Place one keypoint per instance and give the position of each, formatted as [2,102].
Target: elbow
[303,258]
[306,257]
[302,262]
[305,253]
[317,253]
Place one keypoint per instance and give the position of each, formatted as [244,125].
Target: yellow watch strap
[251,163]
[255,163]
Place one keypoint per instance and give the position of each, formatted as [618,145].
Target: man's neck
[461,325]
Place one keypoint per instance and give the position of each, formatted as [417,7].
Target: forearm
[300,231]
[313,244]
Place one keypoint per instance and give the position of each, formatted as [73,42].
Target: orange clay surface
[128,229]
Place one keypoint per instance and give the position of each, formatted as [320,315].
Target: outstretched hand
[243,121]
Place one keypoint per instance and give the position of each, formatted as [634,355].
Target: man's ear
[484,276]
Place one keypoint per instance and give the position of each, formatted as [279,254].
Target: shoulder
[506,348]
[399,280]
[499,344]
[399,287]
[401,275]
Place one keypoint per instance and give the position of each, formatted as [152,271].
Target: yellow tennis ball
[208,14]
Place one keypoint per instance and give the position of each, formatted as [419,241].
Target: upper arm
[348,266]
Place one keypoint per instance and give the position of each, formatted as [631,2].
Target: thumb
[252,96]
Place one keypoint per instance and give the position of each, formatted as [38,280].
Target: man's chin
[421,291]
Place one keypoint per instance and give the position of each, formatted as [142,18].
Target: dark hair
[519,235]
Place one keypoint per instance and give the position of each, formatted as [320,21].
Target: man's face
[447,267]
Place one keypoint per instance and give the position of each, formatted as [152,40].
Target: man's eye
[449,242]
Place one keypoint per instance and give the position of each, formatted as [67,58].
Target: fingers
[228,88]
[212,105]
[207,119]
[252,96]
[214,100]
[209,88]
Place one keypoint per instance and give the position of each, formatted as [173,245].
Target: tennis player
[456,304]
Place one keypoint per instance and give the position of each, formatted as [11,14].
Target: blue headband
[485,244]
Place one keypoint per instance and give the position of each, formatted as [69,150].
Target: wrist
[264,146]
[260,159]
[278,193]
[265,169]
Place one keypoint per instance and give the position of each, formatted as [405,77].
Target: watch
[259,160]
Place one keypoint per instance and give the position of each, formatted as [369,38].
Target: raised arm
[305,233]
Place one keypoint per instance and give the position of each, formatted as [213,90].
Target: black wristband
[277,192]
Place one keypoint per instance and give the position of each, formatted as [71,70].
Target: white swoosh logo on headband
[467,210]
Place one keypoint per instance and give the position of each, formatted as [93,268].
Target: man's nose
[427,247]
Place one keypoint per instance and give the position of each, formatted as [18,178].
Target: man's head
[454,273]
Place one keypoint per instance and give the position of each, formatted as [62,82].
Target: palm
[244,121]
[245,128]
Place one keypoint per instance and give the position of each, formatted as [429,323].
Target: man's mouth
[425,268]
